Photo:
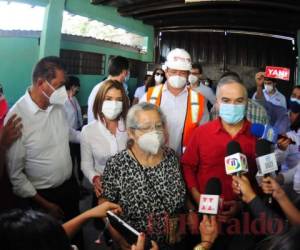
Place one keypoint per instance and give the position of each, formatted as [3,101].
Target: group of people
[150,161]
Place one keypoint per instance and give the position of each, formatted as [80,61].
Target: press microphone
[268,133]
[265,159]
[235,161]
[211,201]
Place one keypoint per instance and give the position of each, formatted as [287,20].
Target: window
[83,63]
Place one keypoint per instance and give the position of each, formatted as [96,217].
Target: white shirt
[40,158]
[139,92]
[73,112]
[97,145]
[277,98]
[175,108]
[91,100]
[207,93]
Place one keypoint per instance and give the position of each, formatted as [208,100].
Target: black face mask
[294,106]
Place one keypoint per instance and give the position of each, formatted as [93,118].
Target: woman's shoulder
[89,127]
[119,158]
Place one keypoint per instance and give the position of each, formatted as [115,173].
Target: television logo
[236,163]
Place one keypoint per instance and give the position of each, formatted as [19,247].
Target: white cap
[179,59]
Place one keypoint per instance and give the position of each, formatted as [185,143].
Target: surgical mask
[269,88]
[192,79]
[232,113]
[151,142]
[295,105]
[59,96]
[177,82]
[112,109]
[158,79]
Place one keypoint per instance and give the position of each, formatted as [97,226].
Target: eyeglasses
[159,74]
[149,128]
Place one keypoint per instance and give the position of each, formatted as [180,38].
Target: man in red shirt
[205,153]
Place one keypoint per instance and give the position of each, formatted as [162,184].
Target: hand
[208,230]
[140,245]
[97,182]
[123,244]
[294,137]
[270,186]
[54,210]
[192,222]
[10,132]
[259,79]
[233,208]
[283,143]
[100,210]
[241,185]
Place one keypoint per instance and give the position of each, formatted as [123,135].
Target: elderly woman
[145,179]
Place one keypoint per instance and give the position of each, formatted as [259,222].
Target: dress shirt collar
[34,108]
[275,94]
[121,126]
[219,127]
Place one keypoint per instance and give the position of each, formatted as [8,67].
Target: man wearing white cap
[184,108]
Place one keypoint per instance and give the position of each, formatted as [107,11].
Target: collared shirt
[175,108]
[256,113]
[91,100]
[277,98]
[207,93]
[40,158]
[205,153]
[73,112]
[139,92]
[98,144]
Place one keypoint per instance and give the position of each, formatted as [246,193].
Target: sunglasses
[159,74]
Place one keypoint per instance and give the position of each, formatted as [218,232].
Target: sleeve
[136,93]
[87,160]
[280,155]
[211,97]
[144,98]
[284,101]
[74,135]
[80,120]
[68,112]
[289,175]
[205,117]
[110,180]
[297,179]
[91,103]
[190,161]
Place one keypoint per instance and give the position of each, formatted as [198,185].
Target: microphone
[211,201]
[265,159]
[235,161]
[268,133]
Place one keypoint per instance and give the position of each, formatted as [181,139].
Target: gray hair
[229,80]
[131,119]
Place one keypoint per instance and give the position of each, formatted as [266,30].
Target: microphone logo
[232,164]
[270,134]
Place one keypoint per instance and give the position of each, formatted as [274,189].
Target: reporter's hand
[241,185]
[54,210]
[100,210]
[192,220]
[140,245]
[270,186]
[208,230]
[10,132]
[233,208]
[97,182]
[259,79]
[283,143]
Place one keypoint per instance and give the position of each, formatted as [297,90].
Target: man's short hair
[72,81]
[198,66]
[117,64]
[229,80]
[45,68]
[234,76]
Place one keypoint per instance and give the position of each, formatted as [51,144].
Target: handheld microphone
[235,161]
[265,159]
[268,133]
[210,201]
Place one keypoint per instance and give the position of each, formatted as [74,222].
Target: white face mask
[151,142]
[268,87]
[192,79]
[158,79]
[177,82]
[112,109]
[59,96]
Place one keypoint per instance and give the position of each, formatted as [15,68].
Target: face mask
[151,142]
[231,113]
[177,82]
[158,79]
[268,87]
[295,105]
[192,79]
[112,109]
[59,96]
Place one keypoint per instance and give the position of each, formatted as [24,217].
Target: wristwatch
[199,247]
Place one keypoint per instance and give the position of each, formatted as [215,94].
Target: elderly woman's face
[148,121]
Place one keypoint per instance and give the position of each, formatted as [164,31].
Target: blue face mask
[232,113]
[295,105]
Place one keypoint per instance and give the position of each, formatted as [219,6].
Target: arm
[73,225]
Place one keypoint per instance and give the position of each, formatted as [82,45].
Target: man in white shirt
[39,162]
[196,81]
[118,69]
[270,92]
[174,98]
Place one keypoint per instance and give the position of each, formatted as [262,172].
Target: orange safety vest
[195,110]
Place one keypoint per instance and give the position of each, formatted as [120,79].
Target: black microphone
[210,201]
[265,159]
[235,161]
